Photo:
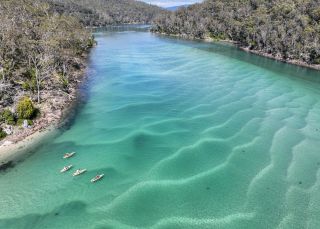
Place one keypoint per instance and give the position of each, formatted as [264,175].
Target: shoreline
[246,49]
[56,112]
[270,56]
[12,152]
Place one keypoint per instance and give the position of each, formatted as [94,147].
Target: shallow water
[188,134]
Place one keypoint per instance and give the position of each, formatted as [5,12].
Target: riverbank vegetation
[42,53]
[43,47]
[107,12]
[284,29]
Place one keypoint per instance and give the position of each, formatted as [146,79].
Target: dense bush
[25,109]
[7,117]
[2,134]
[21,121]
[30,82]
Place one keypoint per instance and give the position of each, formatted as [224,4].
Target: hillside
[174,8]
[41,59]
[107,12]
[284,29]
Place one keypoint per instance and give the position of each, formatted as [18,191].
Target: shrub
[2,134]
[20,122]
[217,36]
[30,83]
[26,86]
[91,42]
[8,117]
[25,108]
[63,80]
[314,57]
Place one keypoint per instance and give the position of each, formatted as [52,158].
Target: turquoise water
[188,134]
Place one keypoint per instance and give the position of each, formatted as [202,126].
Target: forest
[38,48]
[107,12]
[285,29]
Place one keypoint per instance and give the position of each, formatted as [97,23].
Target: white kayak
[68,155]
[79,172]
[96,178]
[66,168]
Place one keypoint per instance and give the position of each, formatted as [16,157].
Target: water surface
[188,134]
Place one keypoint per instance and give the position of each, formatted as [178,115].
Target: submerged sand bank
[13,151]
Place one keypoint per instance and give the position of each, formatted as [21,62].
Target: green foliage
[2,134]
[287,28]
[217,36]
[91,42]
[315,56]
[30,84]
[8,117]
[7,66]
[64,80]
[25,109]
[20,122]
[316,61]
[30,122]
[315,13]
[101,12]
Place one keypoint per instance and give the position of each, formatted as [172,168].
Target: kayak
[68,155]
[66,168]
[96,178]
[79,172]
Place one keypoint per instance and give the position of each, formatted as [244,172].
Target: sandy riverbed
[12,151]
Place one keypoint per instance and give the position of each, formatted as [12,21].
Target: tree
[2,134]
[8,117]
[25,108]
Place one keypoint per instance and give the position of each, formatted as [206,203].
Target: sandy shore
[23,141]
[12,151]
[17,146]
[55,111]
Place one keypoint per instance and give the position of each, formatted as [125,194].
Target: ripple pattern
[187,137]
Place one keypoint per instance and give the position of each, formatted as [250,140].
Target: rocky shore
[247,49]
[279,58]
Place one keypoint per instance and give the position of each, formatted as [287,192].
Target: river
[188,134]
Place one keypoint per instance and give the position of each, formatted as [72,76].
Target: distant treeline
[107,12]
[287,29]
[43,46]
